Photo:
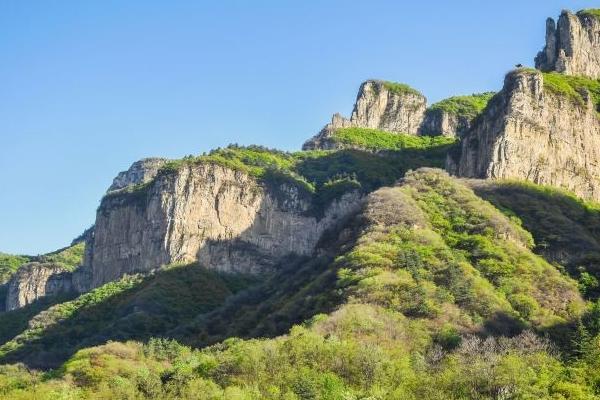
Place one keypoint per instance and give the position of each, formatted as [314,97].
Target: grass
[466,106]
[69,258]
[572,87]
[400,88]
[592,12]
[376,140]
[9,264]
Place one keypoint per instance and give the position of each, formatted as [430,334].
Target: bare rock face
[439,122]
[379,105]
[220,217]
[572,45]
[531,133]
[141,171]
[36,280]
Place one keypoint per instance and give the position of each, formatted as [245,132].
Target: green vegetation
[431,293]
[591,12]
[134,307]
[320,175]
[68,258]
[572,87]
[400,88]
[9,264]
[566,229]
[376,140]
[464,106]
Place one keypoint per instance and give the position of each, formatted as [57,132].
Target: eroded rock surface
[205,212]
[36,280]
[379,105]
[141,171]
[572,45]
[531,133]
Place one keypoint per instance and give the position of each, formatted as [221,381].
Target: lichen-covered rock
[36,280]
[379,105]
[529,132]
[221,217]
[141,171]
[572,45]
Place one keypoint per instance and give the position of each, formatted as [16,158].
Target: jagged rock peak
[519,135]
[572,44]
[141,171]
[383,105]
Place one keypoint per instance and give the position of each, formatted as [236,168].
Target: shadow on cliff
[150,307]
[566,230]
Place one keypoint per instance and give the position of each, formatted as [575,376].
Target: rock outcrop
[220,217]
[141,171]
[379,105]
[572,45]
[440,122]
[532,132]
[36,280]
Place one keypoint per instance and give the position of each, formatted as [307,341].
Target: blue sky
[88,87]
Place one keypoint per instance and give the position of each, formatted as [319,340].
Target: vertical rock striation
[379,105]
[572,45]
[218,216]
[532,132]
[34,281]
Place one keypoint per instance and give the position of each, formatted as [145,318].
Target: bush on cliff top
[376,140]
[466,106]
[572,86]
[592,12]
[400,88]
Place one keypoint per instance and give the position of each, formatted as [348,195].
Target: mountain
[449,251]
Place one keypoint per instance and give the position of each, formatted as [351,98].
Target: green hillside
[429,293]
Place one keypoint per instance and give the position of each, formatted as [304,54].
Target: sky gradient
[89,87]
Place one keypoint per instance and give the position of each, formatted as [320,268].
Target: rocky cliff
[541,127]
[36,280]
[140,172]
[382,105]
[223,218]
[572,45]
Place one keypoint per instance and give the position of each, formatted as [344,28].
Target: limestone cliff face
[141,171]
[378,106]
[439,122]
[36,280]
[531,133]
[572,45]
[220,217]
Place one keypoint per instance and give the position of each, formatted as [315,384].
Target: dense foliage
[133,307]
[9,264]
[566,229]
[434,294]
[591,12]
[573,87]
[464,106]
[376,140]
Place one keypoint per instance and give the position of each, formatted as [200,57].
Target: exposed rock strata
[377,107]
[530,133]
[141,171]
[205,212]
[572,45]
[36,280]
[440,122]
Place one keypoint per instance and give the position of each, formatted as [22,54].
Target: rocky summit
[410,251]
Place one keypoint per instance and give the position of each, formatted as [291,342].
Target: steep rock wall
[36,280]
[141,171]
[205,212]
[572,45]
[378,106]
[530,133]
[439,122]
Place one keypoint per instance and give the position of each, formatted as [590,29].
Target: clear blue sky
[87,87]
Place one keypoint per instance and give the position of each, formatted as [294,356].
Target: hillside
[410,251]
[425,269]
